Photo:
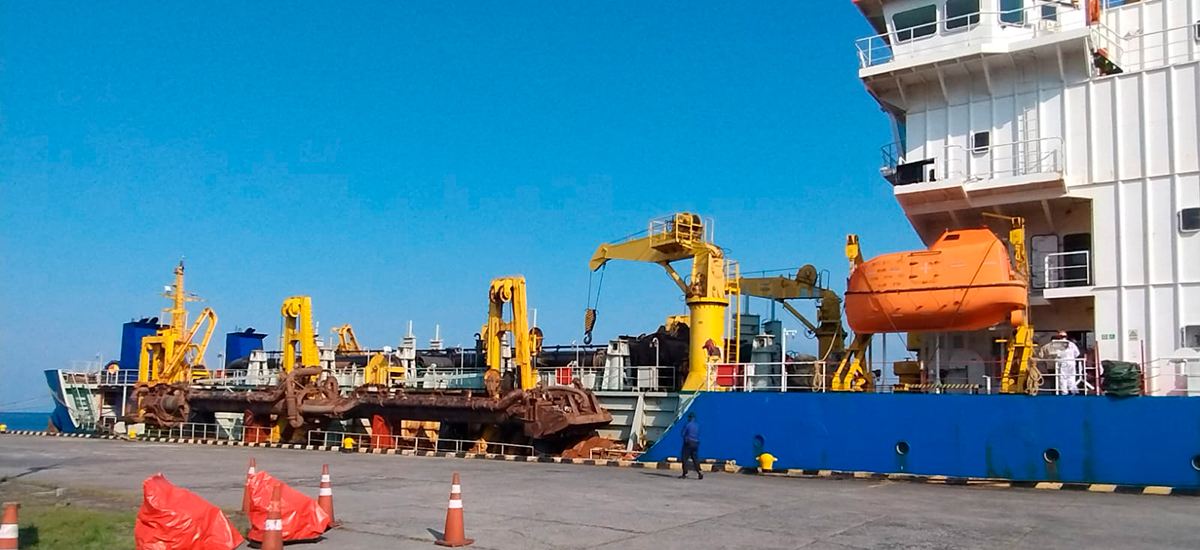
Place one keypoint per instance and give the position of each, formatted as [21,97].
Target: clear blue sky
[390,158]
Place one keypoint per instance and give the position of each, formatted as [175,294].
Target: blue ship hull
[1095,439]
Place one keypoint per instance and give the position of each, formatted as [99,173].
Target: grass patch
[69,528]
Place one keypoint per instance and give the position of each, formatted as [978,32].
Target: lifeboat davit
[965,281]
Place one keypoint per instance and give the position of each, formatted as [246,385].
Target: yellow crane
[346,340]
[526,341]
[852,373]
[674,238]
[828,328]
[298,332]
[1016,376]
[170,355]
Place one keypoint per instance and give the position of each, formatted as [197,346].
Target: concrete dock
[399,502]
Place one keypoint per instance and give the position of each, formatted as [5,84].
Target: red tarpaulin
[302,518]
[176,519]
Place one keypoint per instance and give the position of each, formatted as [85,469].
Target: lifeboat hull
[963,282]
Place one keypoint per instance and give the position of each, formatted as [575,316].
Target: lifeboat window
[1189,219]
[961,13]
[980,141]
[952,237]
[915,23]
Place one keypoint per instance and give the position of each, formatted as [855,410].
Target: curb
[708,466]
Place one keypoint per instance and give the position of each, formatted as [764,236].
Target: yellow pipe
[707,317]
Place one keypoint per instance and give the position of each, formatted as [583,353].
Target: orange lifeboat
[965,281]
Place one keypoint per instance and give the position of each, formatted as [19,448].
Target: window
[961,13]
[1191,336]
[1189,219]
[980,141]
[1012,11]
[915,23]
[1049,12]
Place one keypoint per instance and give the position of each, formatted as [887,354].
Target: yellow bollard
[348,444]
[132,433]
[3,427]
[766,461]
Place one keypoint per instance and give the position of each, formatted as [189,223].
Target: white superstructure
[1082,118]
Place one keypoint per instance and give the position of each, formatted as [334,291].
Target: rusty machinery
[306,396]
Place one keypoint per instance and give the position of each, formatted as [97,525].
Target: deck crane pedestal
[672,239]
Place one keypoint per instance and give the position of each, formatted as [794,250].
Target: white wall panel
[1133,321]
[1163,336]
[1129,126]
[1132,235]
[1104,234]
[1158,124]
[1101,113]
[1161,223]
[1077,114]
[1185,122]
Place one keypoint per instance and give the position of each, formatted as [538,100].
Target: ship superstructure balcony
[976,175]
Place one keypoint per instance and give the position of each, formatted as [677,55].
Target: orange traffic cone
[454,535]
[8,527]
[272,538]
[325,496]
[246,490]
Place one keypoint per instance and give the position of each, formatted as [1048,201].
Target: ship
[1045,152]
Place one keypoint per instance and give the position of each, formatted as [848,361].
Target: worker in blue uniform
[691,446]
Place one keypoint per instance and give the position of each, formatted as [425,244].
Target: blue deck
[1133,441]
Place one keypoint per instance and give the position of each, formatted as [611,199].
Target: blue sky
[389,159]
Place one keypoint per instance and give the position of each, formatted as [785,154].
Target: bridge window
[1012,12]
[1191,336]
[961,13]
[1189,219]
[915,23]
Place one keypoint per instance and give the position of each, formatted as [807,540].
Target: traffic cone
[246,490]
[454,535]
[8,526]
[272,538]
[325,496]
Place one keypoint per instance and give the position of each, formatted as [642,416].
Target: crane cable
[589,315]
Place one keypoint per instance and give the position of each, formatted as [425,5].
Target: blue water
[25,420]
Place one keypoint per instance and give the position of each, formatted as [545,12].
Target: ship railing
[118,377]
[1139,50]
[951,34]
[210,431]
[793,376]
[359,440]
[1067,269]
[1173,376]
[627,378]
[1068,376]
[978,162]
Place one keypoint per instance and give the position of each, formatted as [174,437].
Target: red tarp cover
[302,518]
[176,519]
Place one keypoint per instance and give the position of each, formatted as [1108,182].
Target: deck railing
[955,33]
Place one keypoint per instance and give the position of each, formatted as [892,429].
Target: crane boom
[828,328]
[674,238]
